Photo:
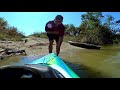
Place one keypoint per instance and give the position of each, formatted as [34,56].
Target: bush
[41,35]
[116,41]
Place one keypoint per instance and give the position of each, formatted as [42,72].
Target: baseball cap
[59,18]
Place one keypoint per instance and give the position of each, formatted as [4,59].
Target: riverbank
[35,46]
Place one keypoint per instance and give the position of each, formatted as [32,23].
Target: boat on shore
[84,45]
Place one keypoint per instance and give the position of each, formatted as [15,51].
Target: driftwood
[10,52]
[84,45]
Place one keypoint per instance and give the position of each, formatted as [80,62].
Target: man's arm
[49,28]
[62,30]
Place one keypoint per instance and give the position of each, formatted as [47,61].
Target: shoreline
[36,46]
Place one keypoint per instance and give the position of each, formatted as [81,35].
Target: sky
[31,22]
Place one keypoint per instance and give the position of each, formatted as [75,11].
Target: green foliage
[35,34]
[91,29]
[70,29]
[41,35]
[70,38]
[116,41]
[8,32]
[3,23]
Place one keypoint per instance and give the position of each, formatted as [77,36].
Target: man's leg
[50,47]
[58,45]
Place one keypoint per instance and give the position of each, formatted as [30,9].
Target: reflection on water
[18,60]
[28,59]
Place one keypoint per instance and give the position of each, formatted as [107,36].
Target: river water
[98,63]
[87,63]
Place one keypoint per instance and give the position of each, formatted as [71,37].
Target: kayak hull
[56,63]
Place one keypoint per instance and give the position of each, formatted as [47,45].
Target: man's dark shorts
[53,37]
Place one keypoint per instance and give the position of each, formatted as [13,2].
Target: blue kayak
[56,63]
[48,66]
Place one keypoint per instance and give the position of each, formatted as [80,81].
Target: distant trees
[3,23]
[39,34]
[9,33]
[72,30]
[94,30]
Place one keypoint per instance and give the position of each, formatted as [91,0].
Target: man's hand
[56,32]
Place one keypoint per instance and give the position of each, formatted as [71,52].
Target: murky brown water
[103,63]
[98,63]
